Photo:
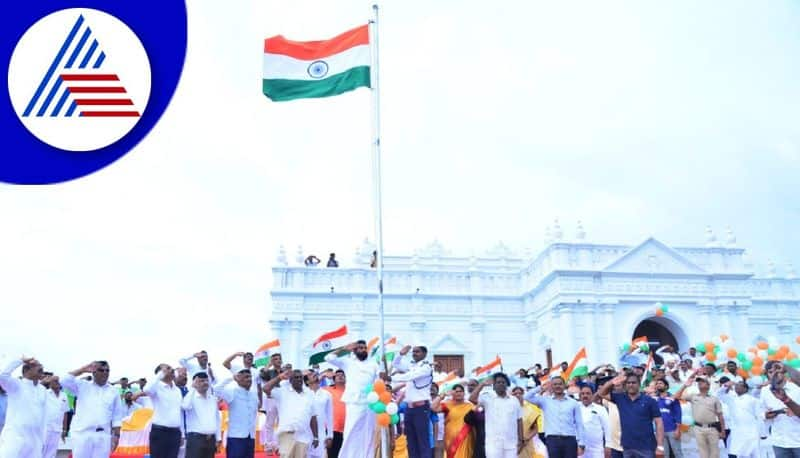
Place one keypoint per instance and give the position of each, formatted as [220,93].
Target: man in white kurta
[596,431]
[55,408]
[323,409]
[23,433]
[744,415]
[361,372]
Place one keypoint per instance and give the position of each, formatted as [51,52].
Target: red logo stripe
[110,114]
[104,102]
[97,90]
[99,77]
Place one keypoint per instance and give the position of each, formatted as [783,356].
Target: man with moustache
[23,433]
[745,417]
[504,434]
[267,404]
[242,414]
[166,397]
[297,430]
[202,365]
[96,424]
[596,431]
[361,372]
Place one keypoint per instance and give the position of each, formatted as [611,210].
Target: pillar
[565,342]
[478,328]
[704,322]
[609,352]
[295,358]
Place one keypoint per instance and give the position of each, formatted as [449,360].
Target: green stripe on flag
[281,90]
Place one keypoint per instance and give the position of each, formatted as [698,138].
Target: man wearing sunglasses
[95,427]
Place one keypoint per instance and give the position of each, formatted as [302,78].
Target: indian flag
[264,352]
[310,69]
[579,365]
[639,341]
[392,347]
[446,384]
[326,343]
[484,372]
[554,371]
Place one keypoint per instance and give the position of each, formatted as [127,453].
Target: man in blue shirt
[671,417]
[637,413]
[563,420]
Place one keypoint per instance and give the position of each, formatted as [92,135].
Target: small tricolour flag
[264,352]
[446,384]
[579,365]
[484,372]
[326,343]
[310,69]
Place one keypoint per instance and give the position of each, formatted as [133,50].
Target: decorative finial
[548,235]
[730,238]
[299,255]
[790,273]
[281,259]
[771,271]
[580,233]
[711,239]
[557,232]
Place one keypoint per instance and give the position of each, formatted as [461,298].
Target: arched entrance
[658,334]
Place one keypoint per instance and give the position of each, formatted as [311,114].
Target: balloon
[709,346]
[797,340]
[402,407]
[741,357]
[757,370]
[732,353]
[742,373]
[762,354]
[368,389]
[395,419]
[784,348]
[645,348]
[384,419]
[626,347]
[795,363]
[723,337]
[758,361]
[711,357]
[378,407]
[386,397]
[716,340]
[391,408]
[762,345]
[747,365]
[659,312]
[664,308]
[379,386]
[716,349]
[701,347]
[771,351]
[372,397]
[791,355]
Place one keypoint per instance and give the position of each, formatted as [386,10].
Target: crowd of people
[629,411]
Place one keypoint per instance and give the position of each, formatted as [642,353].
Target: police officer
[418,376]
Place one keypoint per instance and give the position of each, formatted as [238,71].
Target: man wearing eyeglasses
[95,427]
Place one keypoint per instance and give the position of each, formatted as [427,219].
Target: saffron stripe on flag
[342,331]
[309,50]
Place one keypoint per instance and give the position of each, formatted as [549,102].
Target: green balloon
[795,363]
[716,349]
[664,308]
[626,346]
[771,351]
[378,407]
[395,419]
[747,365]
[700,347]
[645,348]
[368,389]
[741,357]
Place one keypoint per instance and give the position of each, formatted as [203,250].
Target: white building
[573,293]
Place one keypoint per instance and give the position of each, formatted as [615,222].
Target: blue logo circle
[80,93]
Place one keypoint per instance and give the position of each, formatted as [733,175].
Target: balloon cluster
[661,309]
[751,361]
[380,402]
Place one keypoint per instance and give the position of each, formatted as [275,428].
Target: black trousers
[336,444]
[562,447]
[164,442]
[200,445]
[417,425]
[240,447]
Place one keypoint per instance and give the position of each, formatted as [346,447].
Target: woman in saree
[531,425]
[458,436]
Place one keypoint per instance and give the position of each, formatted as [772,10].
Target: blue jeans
[628,453]
[781,452]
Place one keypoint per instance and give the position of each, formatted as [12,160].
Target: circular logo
[318,69]
[79,79]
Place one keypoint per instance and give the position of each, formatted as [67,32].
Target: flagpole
[376,170]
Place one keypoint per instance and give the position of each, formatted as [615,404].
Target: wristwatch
[660,447]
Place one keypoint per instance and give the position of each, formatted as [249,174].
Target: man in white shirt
[667,354]
[23,433]
[94,431]
[203,435]
[247,363]
[359,423]
[504,437]
[418,376]
[242,414]
[201,365]
[323,409]
[165,432]
[596,431]
[697,360]
[297,427]
[55,409]
[744,419]
[781,401]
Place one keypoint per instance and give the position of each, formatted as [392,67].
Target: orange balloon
[659,312]
[732,353]
[742,373]
[797,339]
[774,357]
[757,370]
[711,357]
[780,354]
[384,419]
[791,355]
[784,348]
[757,361]
[385,397]
[762,345]
[723,337]
[379,387]
[709,347]
[752,349]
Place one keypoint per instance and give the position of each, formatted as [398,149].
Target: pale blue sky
[639,118]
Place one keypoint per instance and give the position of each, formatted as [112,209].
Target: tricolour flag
[392,347]
[326,343]
[310,69]
[484,372]
[446,384]
[639,341]
[579,365]
[554,371]
[264,352]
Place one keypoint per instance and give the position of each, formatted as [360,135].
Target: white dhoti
[16,445]
[268,437]
[90,444]
[51,440]
[359,432]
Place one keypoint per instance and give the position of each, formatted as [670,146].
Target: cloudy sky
[638,118]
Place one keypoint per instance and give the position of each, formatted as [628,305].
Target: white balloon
[772,341]
[716,340]
[372,397]
[762,354]
[391,408]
